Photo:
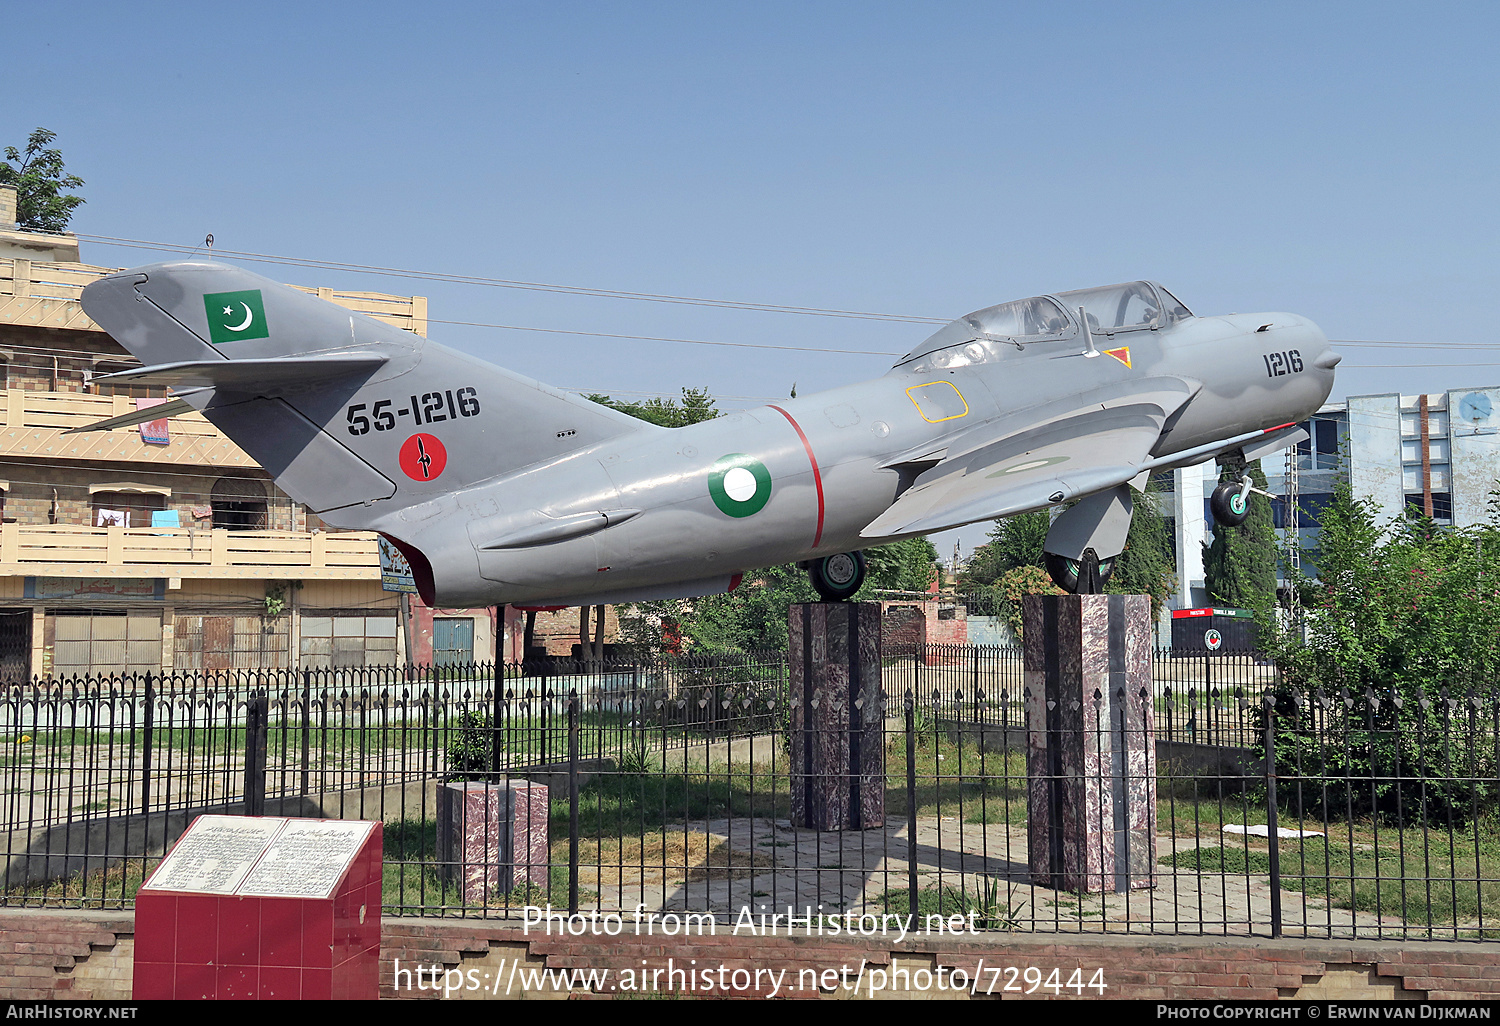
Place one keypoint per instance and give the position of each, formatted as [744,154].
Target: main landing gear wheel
[1230,503]
[839,576]
[1085,576]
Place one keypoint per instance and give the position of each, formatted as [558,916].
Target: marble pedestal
[492,837]
[837,719]
[1091,753]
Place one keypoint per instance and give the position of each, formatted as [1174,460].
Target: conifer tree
[1146,567]
[1239,568]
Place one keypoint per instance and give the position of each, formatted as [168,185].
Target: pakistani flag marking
[234,316]
[740,485]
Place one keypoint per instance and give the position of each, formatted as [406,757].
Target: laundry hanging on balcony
[153,432]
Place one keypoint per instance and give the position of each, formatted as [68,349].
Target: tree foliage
[39,180]
[1014,586]
[1146,567]
[754,615]
[906,565]
[1014,542]
[697,405]
[1404,613]
[1239,567]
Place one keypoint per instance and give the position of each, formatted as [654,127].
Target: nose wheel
[837,577]
[1230,502]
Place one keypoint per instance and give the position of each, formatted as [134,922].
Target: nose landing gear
[1230,502]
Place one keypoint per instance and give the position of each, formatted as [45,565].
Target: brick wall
[87,955]
[908,622]
[30,498]
[84,956]
[558,631]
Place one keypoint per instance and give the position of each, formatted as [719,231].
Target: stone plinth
[1091,756]
[837,719]
[492,837]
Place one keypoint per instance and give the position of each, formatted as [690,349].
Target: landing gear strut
[1086,539]
[839,576]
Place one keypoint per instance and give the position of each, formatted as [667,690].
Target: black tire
[839,576]
[1227,506]
[1070,574]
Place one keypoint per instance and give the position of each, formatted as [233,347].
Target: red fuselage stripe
[817,474]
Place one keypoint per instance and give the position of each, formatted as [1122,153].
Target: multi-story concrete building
[1437,454]
[165,547]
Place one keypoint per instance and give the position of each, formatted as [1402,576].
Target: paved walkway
[767,865]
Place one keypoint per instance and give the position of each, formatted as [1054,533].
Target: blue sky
[1333,159]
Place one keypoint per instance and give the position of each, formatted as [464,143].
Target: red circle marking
[423,457]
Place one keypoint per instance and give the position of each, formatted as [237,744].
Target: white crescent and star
[249,316]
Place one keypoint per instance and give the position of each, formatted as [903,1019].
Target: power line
[655,338]
[1387,343]
[508,283]
[611,392]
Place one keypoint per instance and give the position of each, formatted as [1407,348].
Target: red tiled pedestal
[206,943]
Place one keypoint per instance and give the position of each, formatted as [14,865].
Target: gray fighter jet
[500,489]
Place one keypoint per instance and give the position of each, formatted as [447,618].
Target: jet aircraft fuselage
[500,489]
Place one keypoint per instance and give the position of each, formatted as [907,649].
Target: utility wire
[508,283]
[655,338]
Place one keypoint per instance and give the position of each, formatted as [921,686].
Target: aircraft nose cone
[1328,360]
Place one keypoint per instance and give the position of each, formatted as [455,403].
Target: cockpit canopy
[985,336]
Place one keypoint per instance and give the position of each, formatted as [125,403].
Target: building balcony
[35,422]
[57,550]
[44,294]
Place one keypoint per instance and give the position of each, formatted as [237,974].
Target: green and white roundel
[740,484]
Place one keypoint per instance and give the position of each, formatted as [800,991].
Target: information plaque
[262,907]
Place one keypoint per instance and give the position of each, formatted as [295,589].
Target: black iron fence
[668,790]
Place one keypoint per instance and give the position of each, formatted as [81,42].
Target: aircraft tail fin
[343,410]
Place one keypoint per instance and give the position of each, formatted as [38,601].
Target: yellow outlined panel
[938,401]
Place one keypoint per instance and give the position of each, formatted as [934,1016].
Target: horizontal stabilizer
[275,374]
[172,408]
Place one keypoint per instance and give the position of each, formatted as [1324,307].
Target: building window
[125,509]
[229,642]
[239,504]
[94,642]
[1321,450]
[348,638]
[1310,507]
[1442,505]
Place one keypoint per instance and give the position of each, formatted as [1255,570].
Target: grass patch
[957,779]
[1419,875]
[991,902]
[106,888]
[693,856]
